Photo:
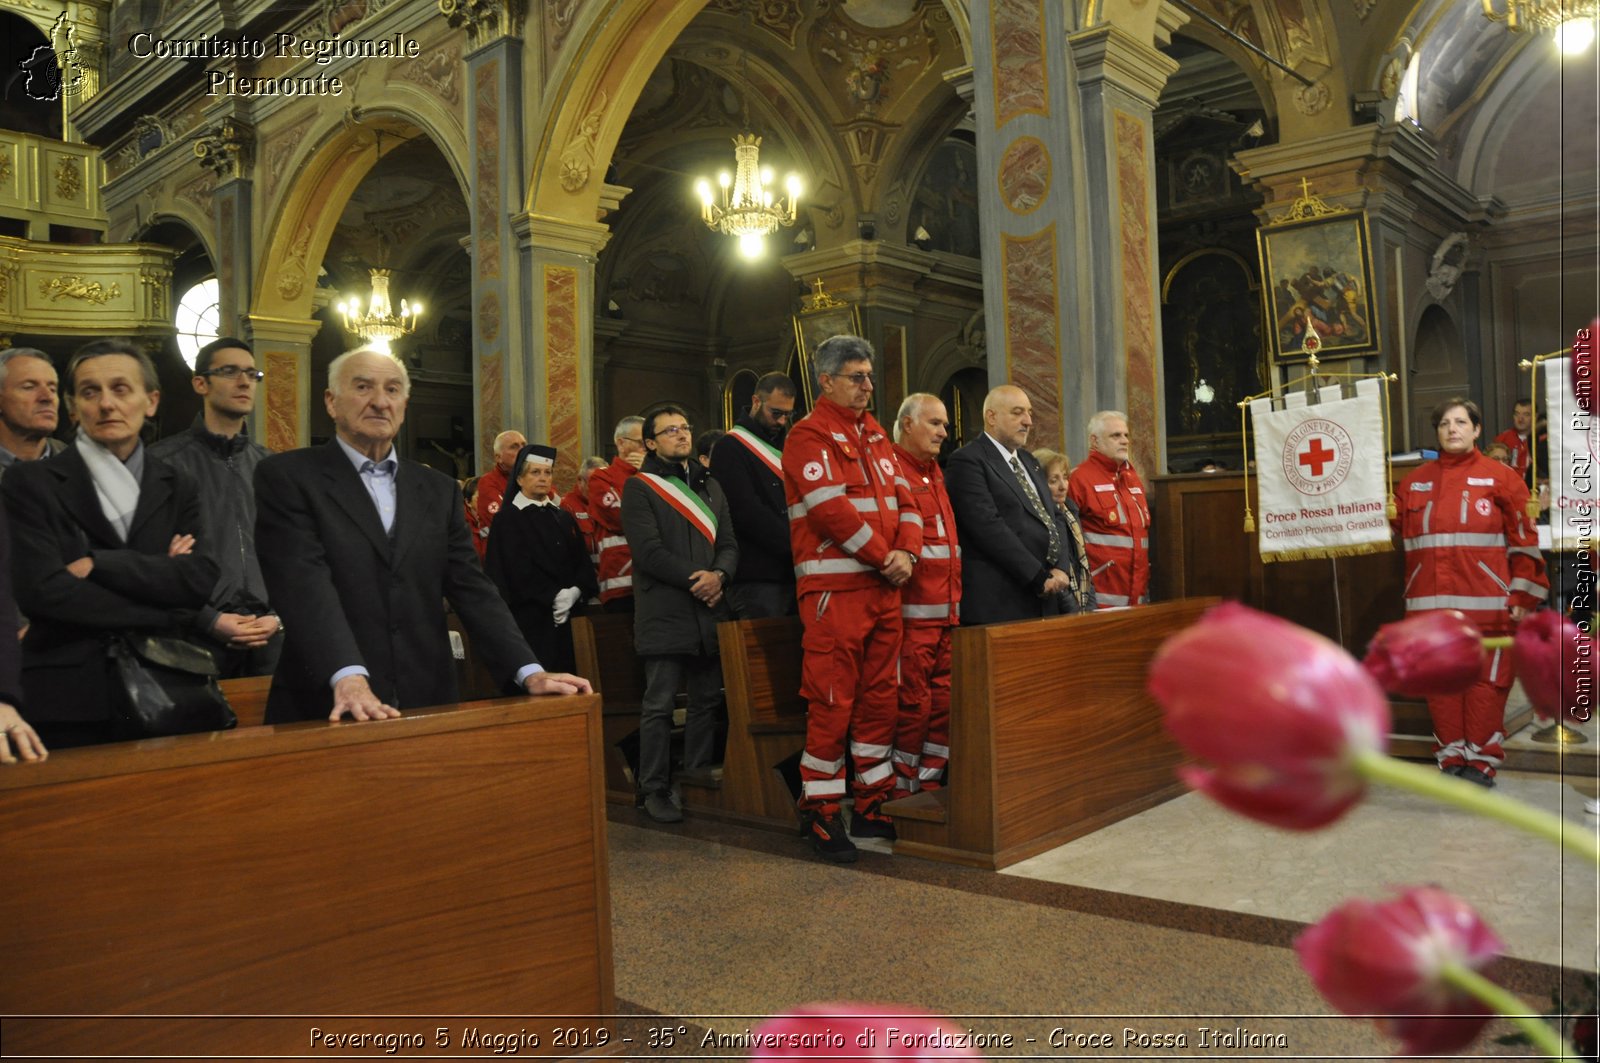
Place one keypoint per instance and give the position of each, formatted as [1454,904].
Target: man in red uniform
[1115,514]
[492,484]
[576,502]
[930,602]
[856,534]
[1519,438]
[614,567]
[1470,546]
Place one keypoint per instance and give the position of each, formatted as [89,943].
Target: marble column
[283,352]
[227,149]
[555,382]
[499,175]
[1119,80]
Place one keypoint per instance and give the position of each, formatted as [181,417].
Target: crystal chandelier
[747,208]
[380,325]
[1572,20]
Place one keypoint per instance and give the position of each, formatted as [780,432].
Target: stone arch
[339,155]
[184,215]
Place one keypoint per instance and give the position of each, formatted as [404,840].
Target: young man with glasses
[856,534]
[677,523]
[219,455]
[748,463]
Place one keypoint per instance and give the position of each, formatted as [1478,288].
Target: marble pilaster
[283,352]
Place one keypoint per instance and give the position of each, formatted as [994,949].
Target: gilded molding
[69,179]
[577,159]
[485,21]
[5,168]
[75,287]
[225,148]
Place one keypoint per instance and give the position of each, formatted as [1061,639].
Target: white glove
[565,600]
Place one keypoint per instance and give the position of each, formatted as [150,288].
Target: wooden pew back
[248,696]
[761,671]
[450,862]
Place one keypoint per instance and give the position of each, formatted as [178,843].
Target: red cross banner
[1320,477]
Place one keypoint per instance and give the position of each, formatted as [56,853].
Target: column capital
[226,147]
[266,330]
[545,233]
[485,21]
[1107,54]
[964,82]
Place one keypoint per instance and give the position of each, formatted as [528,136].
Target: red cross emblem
[1315,456]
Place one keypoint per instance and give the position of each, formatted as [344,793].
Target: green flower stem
[1499,642]
[1546,1039]
[1430,782]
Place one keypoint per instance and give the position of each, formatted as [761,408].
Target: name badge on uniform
[1480,481]
[1425,485]
[1105,487]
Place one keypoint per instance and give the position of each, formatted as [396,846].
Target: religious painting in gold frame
[1316,270]
[820,317]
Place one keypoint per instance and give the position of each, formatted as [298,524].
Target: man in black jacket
[678,528]
[748,463]
[219,455]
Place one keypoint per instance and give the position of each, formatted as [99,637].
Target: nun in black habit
[537,559]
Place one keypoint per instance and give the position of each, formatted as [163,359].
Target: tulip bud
[1438,652]
[859,1033]
[1277,713]
[1388,959]
[1554,660]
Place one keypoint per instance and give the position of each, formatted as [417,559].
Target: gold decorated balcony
[84,290]
[48,182]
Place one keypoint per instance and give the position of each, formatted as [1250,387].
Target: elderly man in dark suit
[1022,555]
[360,549]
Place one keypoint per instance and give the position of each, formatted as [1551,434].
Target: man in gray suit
[1022,555]
[360,549]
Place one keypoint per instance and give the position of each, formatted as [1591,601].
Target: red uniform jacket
[615,565]
[1115,513]
[1521,450]
[848,504]
[1468,541]
[573,503]
[932,597]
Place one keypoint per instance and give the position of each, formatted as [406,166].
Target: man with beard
[748,463]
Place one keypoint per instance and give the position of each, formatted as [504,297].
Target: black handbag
[168,686]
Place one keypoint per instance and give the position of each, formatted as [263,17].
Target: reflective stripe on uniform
[1454,601]
[937,553]
[1445,540]
[925,612]
[863,749]
[876,773]
[823,788]
[858,540]
[1096,538]
[616,584]
[1530,588]
[911,516]
[821,495]
[1110,599]
[823,766]
[931,750]
[1526,551]
[865,505]
[830,568]
[612,540]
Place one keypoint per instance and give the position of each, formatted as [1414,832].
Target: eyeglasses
[860,380]
[676,430]
[229,372]
[777,414]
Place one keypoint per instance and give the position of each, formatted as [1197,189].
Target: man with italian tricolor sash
[748,463]
[676,521]
[856,534]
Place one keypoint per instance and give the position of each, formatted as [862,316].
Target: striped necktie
[1053,554]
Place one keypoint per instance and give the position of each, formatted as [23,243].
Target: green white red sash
[770,455]
[689,505]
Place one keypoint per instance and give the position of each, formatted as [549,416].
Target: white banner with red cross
[1574,450]
[1321,479]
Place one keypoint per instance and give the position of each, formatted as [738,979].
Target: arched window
[199,314]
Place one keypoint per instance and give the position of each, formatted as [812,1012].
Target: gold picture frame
[1316,271]
[820,317]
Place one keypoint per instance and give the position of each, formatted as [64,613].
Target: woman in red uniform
[1470,546]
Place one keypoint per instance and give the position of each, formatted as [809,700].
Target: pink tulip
[1430,653]
[1387,959]
[1555,661]
[845,1032]
[1276,712]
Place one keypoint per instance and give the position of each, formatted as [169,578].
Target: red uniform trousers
[848,677]
[1469,727]
[922,737]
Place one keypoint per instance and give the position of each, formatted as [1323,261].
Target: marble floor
[1175,923]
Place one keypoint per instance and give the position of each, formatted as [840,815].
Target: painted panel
[1033,329]
[561,340]
[283,400]
[1136,208]
[1021,80]
[1024,175]
[486,136]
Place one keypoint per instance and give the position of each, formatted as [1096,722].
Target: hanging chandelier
[379,325]
[1572,20]
[746,207]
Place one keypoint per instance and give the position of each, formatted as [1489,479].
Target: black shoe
[1453,769]
[660,807]
[1477,775]
[829,839]
[870,823]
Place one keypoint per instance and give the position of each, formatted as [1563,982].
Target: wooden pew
[602,645]
[1052,736]
[451,862]
[248,696]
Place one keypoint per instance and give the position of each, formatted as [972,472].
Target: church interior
[1066,196]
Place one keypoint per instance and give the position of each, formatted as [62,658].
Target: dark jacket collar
[225,446]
